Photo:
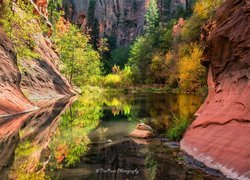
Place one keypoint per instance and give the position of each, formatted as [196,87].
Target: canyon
[219,135]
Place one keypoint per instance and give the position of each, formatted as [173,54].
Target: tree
[152,17]
[81,63]
[140,58]
[54,9]
[93,24]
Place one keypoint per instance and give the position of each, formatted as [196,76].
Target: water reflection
[65,140]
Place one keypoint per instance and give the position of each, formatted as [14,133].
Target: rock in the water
[219,137]
[143,126]
[142,131]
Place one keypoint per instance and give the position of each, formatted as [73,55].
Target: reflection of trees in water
[34,130]
[49,140]
[70,140]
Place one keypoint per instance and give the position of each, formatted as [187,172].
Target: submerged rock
[219,137]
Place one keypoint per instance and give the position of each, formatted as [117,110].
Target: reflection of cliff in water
[27,135]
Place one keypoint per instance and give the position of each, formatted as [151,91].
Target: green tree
[140,58]
[54,9]
[152,17]
[81,63]
[93,24]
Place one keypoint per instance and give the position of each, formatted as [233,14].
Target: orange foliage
[178,27]
[63,25]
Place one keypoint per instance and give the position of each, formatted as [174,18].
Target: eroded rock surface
[41,78]
[12,100]
[219,137]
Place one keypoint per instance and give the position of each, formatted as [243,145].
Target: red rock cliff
[12,100]
[219,136]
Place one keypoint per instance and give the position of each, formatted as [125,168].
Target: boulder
[142,131]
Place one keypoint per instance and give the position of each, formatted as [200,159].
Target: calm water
[87,138]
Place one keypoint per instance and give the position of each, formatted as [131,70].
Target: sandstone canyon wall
[219,136]
[122,19]
[39,78]
[12,100]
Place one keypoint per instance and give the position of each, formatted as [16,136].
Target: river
[87,138]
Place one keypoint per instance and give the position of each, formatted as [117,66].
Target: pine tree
[152,17]
[93,24]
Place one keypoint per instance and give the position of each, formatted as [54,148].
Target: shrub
[191,72]
[123,78]
[178,128]
[112,80]
[21,25]
[203,10]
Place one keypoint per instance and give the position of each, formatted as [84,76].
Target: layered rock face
[219,137]
[41,78]
[123,19]
[12,100]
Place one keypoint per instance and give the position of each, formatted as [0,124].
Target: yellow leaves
[112,80]
[191,72]
[204,9]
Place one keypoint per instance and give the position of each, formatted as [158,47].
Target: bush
[206,9]
[191,72]
[123,78]
[21,25]
[112,80]
[191,29]
[203,10]
[178,128]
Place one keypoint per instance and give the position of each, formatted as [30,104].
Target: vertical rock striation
[219,136]
[123,20]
